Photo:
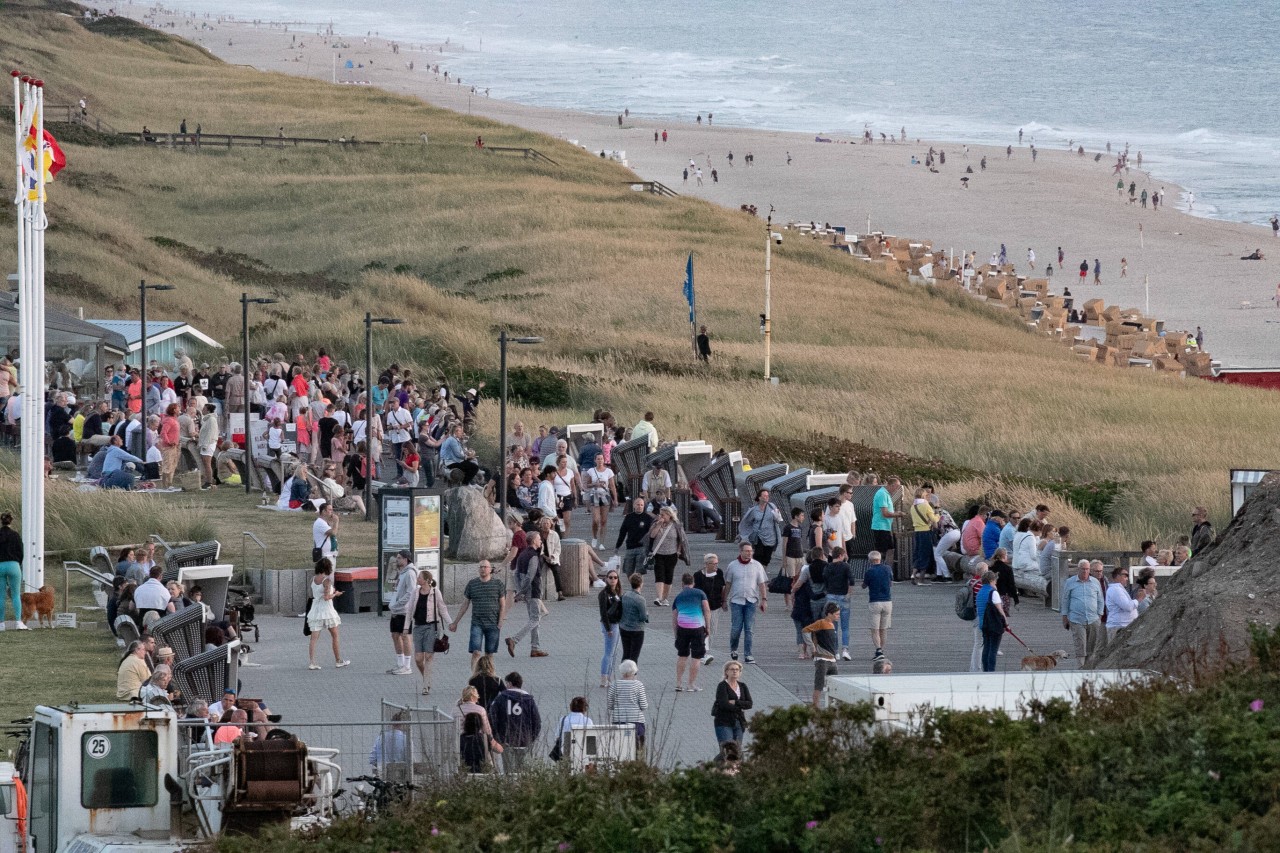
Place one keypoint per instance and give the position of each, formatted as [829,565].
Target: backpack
[966,605]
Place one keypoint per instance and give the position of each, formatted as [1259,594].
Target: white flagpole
[36,430]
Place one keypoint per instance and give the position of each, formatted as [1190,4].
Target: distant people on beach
[1255,255]
[1084,270]
[1124,267]
[1097,271]
[1275,225]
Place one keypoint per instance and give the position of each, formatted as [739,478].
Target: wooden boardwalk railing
[655,187]
[527,153]
[227,140]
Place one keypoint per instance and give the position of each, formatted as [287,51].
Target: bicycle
[380,795]
[23,737]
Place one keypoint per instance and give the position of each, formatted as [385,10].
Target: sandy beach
[1192,264]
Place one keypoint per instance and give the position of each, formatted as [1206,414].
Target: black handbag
[557,751]
[780,585]
[441,645]
[306,623]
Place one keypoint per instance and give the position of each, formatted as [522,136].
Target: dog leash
[1016,637]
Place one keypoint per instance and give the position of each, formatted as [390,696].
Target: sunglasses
[613,577]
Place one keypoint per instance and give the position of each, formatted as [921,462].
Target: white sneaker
[601,547]
[21,626]
[595,543]
[404,670]
[844,654]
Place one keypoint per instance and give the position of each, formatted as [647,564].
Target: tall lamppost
[245,302]
[141,450]
[369,320]
[501,470]
[766,319]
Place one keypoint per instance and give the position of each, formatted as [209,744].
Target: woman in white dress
[601,495]
[322,616]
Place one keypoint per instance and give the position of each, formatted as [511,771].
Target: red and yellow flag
[54,160]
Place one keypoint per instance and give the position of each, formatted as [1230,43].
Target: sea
[1190,84]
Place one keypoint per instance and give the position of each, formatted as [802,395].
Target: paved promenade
[926,636]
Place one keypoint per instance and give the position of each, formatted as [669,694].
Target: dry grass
[860,356]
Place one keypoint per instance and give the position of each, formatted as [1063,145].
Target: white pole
[1142,243]
[32,381]
[1146,286]
[768,331]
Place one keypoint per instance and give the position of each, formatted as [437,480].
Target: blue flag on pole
[688,286]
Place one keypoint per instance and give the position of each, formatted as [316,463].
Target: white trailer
[898,700]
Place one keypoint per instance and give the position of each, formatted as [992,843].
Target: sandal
[679,689]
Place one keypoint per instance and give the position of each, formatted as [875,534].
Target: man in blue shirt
[878,582]
[1082,611]
[451,450]
[588,452]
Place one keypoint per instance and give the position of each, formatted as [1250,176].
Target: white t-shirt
[398,423]
[848,520]
[320,537]
[598,480]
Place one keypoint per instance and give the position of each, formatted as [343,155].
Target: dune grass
[460,243]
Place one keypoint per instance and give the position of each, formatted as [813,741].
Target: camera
[777,237]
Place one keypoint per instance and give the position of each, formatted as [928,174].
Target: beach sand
[1192,264]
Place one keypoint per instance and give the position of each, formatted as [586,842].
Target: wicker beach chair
[184,556]
[182,631]
[127,629]
[206,675]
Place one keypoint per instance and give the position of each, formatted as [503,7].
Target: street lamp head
[388,321]
[159,287]
[527,339]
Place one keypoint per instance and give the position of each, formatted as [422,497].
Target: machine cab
[99,771]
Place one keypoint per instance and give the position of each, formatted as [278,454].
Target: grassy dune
[460,243]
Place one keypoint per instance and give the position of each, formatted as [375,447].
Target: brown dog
[38,604]
[1043,662]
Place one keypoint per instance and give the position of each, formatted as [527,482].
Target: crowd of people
[319,428]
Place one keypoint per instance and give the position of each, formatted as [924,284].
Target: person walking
[610,601]
[628,702]
[667,544]
[733,700]
[711,581]
[322,616]
[600,490]
[978,572]
[11,554]
[529,583]
[476,743]
[487,595]
[823,632]
[635,615]
[748,587]
[1081,610]
[991,619]
[634,534]
[761,528]
[836,577]
[427,615]
[516,722]
[401,642]
[878,582]
[690,616]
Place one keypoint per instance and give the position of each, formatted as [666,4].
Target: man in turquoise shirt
[882,516]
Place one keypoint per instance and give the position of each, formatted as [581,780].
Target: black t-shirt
[635,527]
[92,426]
[218,384]
[712,587]
[181,386]
[327,425]
[794,536]
[64,449]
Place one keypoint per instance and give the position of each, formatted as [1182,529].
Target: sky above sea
[1192,85]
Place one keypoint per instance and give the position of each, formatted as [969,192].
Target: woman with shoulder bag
[666,544]
[565,484]
[426,614]
[610,600]
[551,553]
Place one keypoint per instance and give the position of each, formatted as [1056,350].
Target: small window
[119,769]
[6,797]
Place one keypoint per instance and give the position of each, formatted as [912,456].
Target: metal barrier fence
[421,747]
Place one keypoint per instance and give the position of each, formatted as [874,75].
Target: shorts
[566,504]
[691,642]
[883,540]
[664,568]
[822,669]
[424,639]
[483,639]
[598,499]
[881,615]
[397,622]
[211,450]
[791,566]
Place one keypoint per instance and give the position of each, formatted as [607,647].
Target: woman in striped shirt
[627,700]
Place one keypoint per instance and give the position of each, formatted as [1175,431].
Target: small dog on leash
[1043,662]
[38,604]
